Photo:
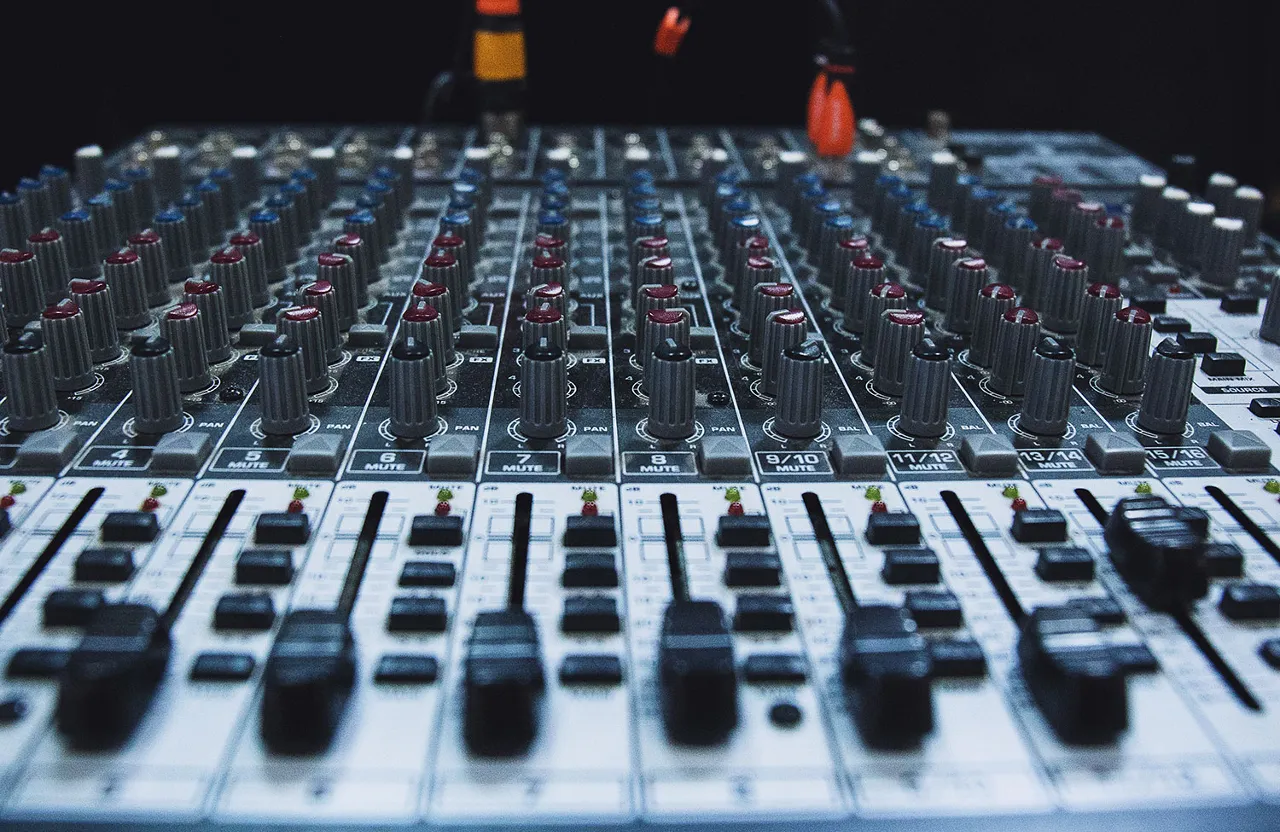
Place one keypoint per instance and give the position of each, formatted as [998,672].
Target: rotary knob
[1061,202]
[229,270]
[303,326]
[994,300]
[1101,303]
[362,253]
[442,267]
[129,217]
[798,405]
[268,228]
[67,339]
[655,296]
[157,401]
[39,201]
[437,294]
[285,207]
[105,219]
[919,244]
[96,304]
[1172,206]
[852,288]
[338,270]
[209,299]
[49,247]
[23,288]
[1017,333]
[1167,394]
[1016,237]
[768,298]
[144,190]
[374,200]
[175,239]
[899,332]
[671,392]
[835,230]
[556,224]
[755,271]
[453,244]
[15,220]
[544,390]
[181,326]
[1220,190]
[1146,203]
[423,322]
[1221,253]
[783,330]
[968,276]
[1104,248]
[643,248]
[247,171]
[30,398]
[943,254]
[545,322]
[1248,207]
[1081,217]
[122,271]
[1046,405]
[255,256]
[943,169]
[285,411]
[197,224]
[882,298]
[1197,220]
[321,295]
[1124,366]
[1040,255]
[413,397]
[79,234]
[1042,188]
[927,392]
[1062,294]
[655,271]
[736,272]
[659,325]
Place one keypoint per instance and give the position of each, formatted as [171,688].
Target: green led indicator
[1010,491]
[444,494]
[17,487]
[733,494]
[158,491]
[589,495]
[1142,488]
[301,493]
[872,492]
[1271,487]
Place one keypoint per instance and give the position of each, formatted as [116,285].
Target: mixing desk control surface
[376,477]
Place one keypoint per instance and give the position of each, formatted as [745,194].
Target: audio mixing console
[383,476]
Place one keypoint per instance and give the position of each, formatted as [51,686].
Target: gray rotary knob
[882,298]
[927,393]
[553,294]
[866,170]
[50,249]
[321,295]
[1104,248]
[797,410]
[919,244]
[255,258]
[423,322]
[462,224]
[755,271]
[67,340]
[1146,202]
[783,330]
[455,245]
[226,182]
[756,245]
[144,187]
[284,206]
[413,396]
[899,332]
[15,220]
[96,304]
[23,288]
[323,162]
[655,270]
[659,325]
[175,239]
[1101,303]
[213,202]
[852,289]
[838,269]
[968,276]
[994,300]
[181,327]
[547,268]
[1167,395]
[1197,219]
[39,202]
[768,298]
[157,401]
[303,326]
[80,240]
[442,267]
[1040,255]
[1042,188]
[1082,216]
[1173,202]
[943,255]
[1062,294]
[30,397]
[105,220]
[655,296]
[1220,256]
[943,169]
[338,270]
[993,227]
[364,224]
[124,194]
[122,271]
[1061,202]
[210,299]
[154,264]
[642,249]
[1125,364]
[58,180]
[269,229]
[167,163]
[285,411]
[229,270]
[741,228]
[439,296]
[1269,331]
[247,171]
[544,390]
[1248,207]
[1047,403]
[1017,334]
[1016,238]
[671,387]
[297,213]
[545,322]
[835,230]
[1220,190]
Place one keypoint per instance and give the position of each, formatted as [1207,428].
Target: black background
[1196,76]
